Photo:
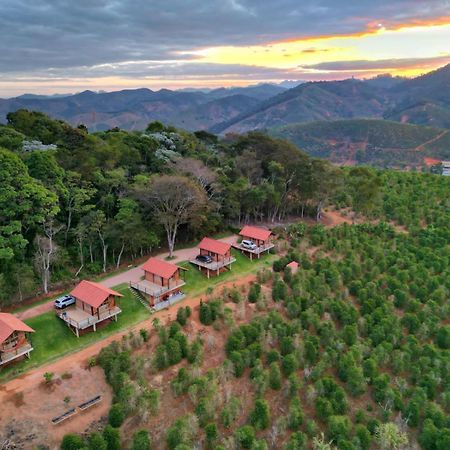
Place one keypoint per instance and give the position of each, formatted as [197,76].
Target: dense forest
[349,353]
[75,204]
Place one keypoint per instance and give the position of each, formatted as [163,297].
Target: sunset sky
[59,46]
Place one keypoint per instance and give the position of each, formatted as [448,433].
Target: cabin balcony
[155,290]
[6,357]
[80,320]
[214,265]
[257,251]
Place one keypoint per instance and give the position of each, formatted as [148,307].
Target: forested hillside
[379,143]
[349,353]
[75,204]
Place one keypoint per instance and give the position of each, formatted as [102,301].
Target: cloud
[148,70]
[380,64]
[143,39]
[66,33]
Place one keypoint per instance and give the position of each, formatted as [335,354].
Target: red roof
[260,234]
[9,324]
[431,161]
[213,246]
[93,294]
[159,267]
[293,265]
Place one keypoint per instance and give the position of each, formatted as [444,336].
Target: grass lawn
[54,339]
[197,282]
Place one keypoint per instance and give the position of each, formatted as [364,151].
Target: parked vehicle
[204,259]
[64,301]
[249,244]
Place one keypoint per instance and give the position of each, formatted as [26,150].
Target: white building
[446,168]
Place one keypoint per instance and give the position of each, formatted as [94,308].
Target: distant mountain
[313,101]
[289,84]
[260,91]
[135,108]
[37,96]
[423,100]
[206,115]
[369,141]
[385,81]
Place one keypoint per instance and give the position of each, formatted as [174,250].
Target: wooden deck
[215,266]
[80,320]
[256,252]
[155,290]
[6,357]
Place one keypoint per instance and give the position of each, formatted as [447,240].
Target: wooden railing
[91,320]
[12,354]
[155,292]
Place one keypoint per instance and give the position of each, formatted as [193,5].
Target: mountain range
[424,100]
[133,109]
[370,121]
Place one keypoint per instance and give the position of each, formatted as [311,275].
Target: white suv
[249,244]
[64,301]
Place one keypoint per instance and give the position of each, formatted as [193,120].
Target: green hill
[369,141]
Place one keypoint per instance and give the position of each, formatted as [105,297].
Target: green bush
[116,415]
[211,434]
[141,440]
[245,436]
[254,293]
[112,438]
[96,442]
[260,415]
[275,376]
[72,442]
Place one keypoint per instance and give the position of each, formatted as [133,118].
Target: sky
[60,46]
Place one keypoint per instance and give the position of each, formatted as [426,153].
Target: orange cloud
[372,27]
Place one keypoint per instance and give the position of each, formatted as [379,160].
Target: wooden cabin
[259,236]
[14,341]
[161,283]
[94,303]
[219,251]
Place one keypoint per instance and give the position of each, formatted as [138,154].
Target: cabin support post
[77,332]
[94,326]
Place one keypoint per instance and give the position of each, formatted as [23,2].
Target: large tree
[174,200]
[364,188]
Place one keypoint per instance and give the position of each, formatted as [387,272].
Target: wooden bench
[63,417]
[93,401]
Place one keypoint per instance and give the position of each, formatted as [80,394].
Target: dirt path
[133,274]
[26,397]
[334,218]
[436,138]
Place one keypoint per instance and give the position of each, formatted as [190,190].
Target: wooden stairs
[141,298]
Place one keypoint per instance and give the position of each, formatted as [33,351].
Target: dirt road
[133,274]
